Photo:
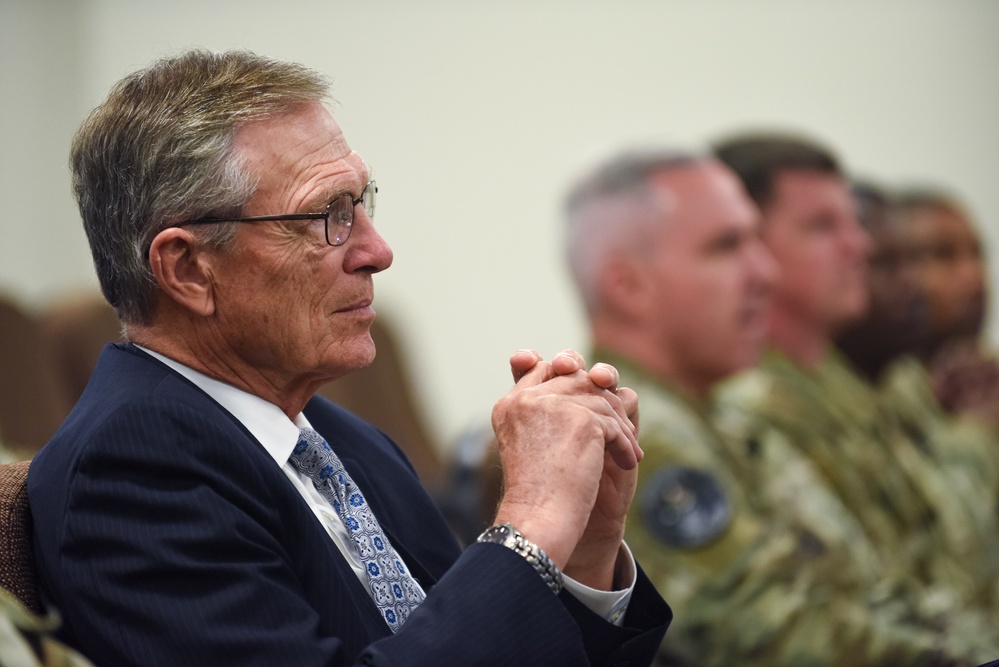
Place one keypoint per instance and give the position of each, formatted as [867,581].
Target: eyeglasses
[339,214]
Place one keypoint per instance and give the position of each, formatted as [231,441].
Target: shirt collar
[264,420]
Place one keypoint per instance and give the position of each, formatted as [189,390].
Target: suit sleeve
[517,620]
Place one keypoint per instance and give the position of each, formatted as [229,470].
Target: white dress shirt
[279,435]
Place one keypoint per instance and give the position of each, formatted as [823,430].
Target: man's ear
[625,287]
[183,270]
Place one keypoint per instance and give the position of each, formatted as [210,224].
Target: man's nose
[366,249]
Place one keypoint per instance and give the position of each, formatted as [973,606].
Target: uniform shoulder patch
[684,507]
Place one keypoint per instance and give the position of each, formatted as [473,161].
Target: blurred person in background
[945,390]
[952,271]
[808,396]
[665,250]
[896,322]
[954,458]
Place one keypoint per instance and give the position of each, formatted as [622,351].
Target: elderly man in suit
[201,506]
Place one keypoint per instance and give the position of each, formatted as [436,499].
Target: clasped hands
[568,443]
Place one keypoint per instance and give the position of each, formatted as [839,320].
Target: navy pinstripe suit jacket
[165,535]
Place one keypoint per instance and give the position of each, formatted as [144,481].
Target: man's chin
[352,357]
[743,358]
[853,308]
[970,326]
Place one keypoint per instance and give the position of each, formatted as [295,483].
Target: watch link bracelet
[512,538]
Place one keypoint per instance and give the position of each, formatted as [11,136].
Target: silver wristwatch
[510,537]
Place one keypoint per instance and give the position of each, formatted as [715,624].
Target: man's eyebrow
[319,203]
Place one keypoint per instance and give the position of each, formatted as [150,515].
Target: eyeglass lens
[340,218]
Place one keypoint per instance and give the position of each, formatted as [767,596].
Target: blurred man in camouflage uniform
[956,365]
[897,320]
[807,397]
[665,251]
[952,269]
[946,391]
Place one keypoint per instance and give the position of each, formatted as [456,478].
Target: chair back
[17,566]
[74,331]
[31,399]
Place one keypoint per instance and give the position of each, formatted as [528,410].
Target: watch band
[510,537]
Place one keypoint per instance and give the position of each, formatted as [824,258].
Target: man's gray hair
[611,208]
[158,151]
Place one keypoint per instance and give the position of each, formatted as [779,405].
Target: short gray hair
[610,208]
[158,151]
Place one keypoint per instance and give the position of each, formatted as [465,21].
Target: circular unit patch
[684,507]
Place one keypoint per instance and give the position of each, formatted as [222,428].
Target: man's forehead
[681,174]
[696,179]
[796,182]
[303,147]
[309,125]
[705,185]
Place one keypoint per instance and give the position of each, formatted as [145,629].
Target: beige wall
[475,115]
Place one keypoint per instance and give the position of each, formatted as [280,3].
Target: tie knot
[313,456]
[307,437]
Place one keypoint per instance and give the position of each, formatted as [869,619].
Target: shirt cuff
[611,605]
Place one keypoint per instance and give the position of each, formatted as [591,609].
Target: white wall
[475,115]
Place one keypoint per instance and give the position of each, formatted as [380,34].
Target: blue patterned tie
[391,586]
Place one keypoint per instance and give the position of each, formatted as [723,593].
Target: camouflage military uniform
[26,640]
[835,420]
[748,586]
[966,452]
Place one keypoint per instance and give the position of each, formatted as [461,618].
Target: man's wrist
[612,605]
[510,537]
[594,562]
